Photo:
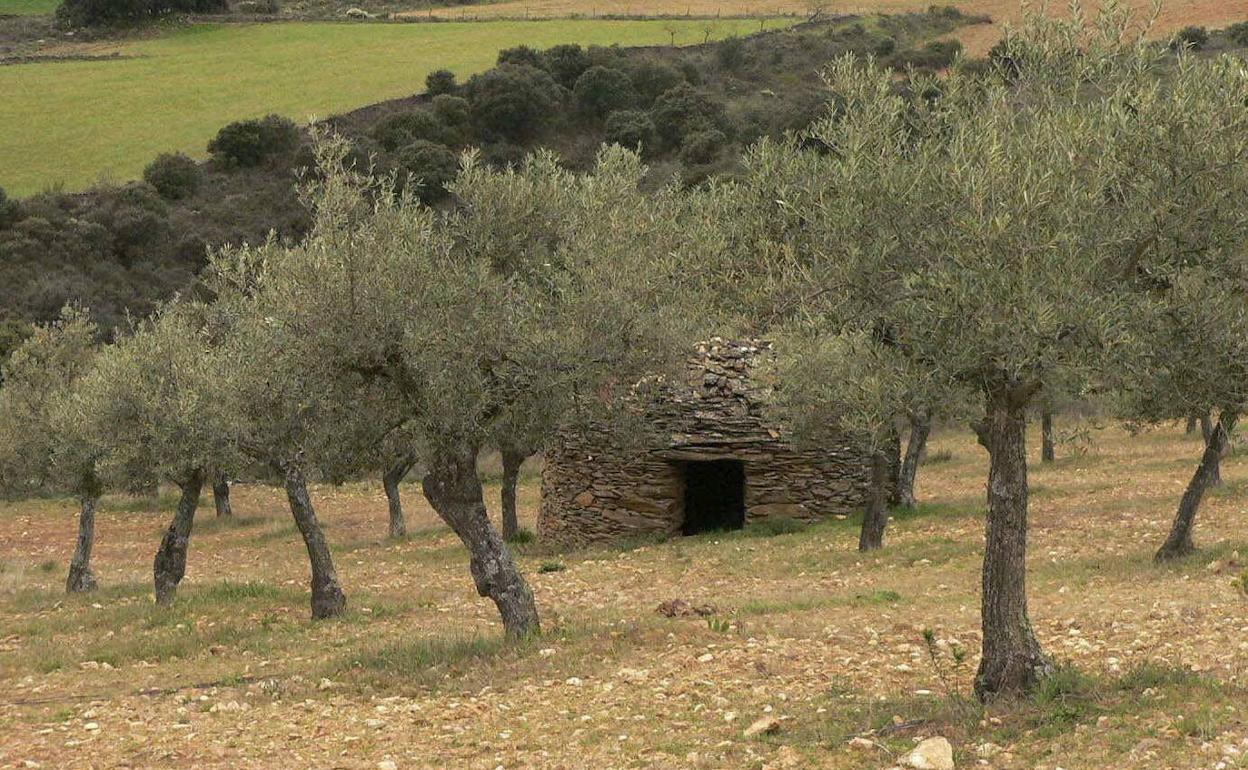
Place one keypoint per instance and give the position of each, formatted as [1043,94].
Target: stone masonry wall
[594,489]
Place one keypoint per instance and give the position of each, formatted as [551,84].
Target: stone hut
[722,464]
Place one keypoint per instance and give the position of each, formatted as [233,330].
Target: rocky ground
[813,657]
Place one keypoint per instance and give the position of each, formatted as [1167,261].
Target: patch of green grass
[48,565]
[522,536]
[936,458]
[70,122]
[775,525]
[551,566]
[27,7]
[875,598]
[415,660]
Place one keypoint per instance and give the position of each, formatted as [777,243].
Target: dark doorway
[714,496]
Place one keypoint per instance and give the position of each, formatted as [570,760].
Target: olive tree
[850,383]
[994,223]
[155,405]
[40,446]
[457,316]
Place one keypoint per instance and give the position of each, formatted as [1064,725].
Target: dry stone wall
[596,489]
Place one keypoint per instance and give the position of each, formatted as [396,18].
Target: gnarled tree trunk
[875,517]
[920,429]
[221,495]
[513,458]
[1047,454]
[1190,428]
[1012,661]
[170,564]
[328,599]
[1179,543]
[453,488]
[391,480]
[1206,427]
[81,578]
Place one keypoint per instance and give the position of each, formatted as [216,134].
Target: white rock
[387,764]
[764,726]
[706,657]
[931,754]
[574,681]
[633,675]
[862,744]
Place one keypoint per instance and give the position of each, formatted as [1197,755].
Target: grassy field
[71,122]
[27,7]
[829,642]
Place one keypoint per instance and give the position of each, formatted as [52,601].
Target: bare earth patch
[829,644]
[1176,14]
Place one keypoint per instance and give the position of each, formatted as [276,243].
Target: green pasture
[27,7]
[71,123]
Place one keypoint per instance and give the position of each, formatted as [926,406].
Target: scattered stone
[987,750]
[679,608]
[574,681]
[357,13]
[92,726]
[862,744]
[706,657]
[387,764]
[633,675]
[765,726]
[324,684]
[931,754]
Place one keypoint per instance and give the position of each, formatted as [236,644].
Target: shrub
[601,90]
[258,7]
[8,210]
[730,54]
[630,128]
[440,82]
[522,55]
[884,46]
[502,154]
[1192,38]
[702,147]
[513,101]
[1238,33]
[551,566]
[429,165]
[565,63]
[684,110]
[403,128]
[101,12]
[651,77]
[935,55]
[453,111]
[174,175]
[251,142]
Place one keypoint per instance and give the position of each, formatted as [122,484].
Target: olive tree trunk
[1047,454]
[916,444]
[1179,543]
[221,495]
[81,578]
[1206,427]
[328,599]
[1190,428]
[875,517]
[390,480]
[453,488]
[1012,661]
[170,565]
[513,459]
